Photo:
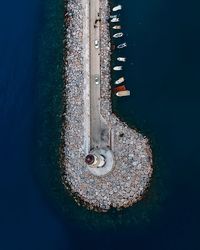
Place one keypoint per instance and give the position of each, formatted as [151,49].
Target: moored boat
[123,45]
[117,68]
[121,59]
[119,88]
[117,35]
[120,80]
[115,20]
[123,93]
[117,27]
[116,8]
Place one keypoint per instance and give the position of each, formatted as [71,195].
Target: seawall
[132,170]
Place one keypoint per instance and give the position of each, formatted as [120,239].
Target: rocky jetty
[132,170]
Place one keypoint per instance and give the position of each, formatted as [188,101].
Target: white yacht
[115,20]
[116,8]
[121,59]
[120,80]
[123,93]
[117,27]
[117,35]
[117,68]
[123,45]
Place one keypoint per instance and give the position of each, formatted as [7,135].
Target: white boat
[120,80]
[117,35]
[117,68]
[117,27]
[123,93]
[121,59]
[116,8]
[115,20]
[113,16]
[122,46]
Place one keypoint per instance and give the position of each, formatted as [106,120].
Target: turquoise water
[162,74]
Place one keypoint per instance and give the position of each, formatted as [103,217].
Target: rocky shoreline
[129,179]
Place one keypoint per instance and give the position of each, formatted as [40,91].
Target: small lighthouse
[95,160]
[99,161]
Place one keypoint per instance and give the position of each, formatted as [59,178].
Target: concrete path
[86,75]
[99,131]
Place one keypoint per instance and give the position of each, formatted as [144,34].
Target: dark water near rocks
[162,73]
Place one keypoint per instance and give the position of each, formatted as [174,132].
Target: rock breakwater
[130,177]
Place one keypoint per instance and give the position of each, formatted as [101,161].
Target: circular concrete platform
[109,162]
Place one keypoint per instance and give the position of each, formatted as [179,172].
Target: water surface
[162,74]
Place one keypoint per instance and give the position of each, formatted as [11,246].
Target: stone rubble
[129,179]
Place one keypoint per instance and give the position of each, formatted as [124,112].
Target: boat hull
[118,35]
[117,68]
[123,45]
[117,27]
[120,80]
[116,8]
[123,93]
[121,59]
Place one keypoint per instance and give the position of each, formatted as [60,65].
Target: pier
[106,163]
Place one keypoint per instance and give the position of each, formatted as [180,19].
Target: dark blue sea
[163,73]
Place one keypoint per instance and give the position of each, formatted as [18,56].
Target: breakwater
[132,170]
